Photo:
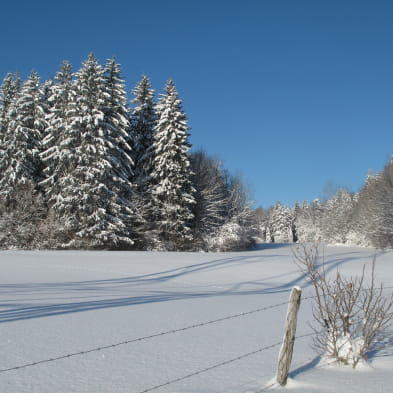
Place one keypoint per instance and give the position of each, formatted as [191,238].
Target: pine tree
[77,202]
[58,142]
[92,202]
[22,140]
[124,217]
[303,222]
[381,208]
[117,122]
[8,92]
[281,223]
[172,192]
[337,217]
[366,211]
[143,120]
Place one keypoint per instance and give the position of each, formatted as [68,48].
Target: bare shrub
[230,237]
[25,221]
[352,316]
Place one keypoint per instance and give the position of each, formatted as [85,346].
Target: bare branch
[353,319]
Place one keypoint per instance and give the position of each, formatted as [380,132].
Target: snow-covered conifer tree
[58,142]
[337,219]
[91,202]
[308,221]
[117,122]
[143,120]
[366,211]
[380,207]
[8,91]
[305,227]
[76,202]
[172,193]
[281,223]
[22,139]
[124,200]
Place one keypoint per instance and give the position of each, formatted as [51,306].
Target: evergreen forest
[81,167]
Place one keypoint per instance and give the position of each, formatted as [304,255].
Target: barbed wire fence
[143,338]
[178,330]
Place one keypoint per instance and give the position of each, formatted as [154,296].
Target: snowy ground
[58,303]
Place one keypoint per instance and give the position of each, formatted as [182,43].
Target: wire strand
[224,363]
[211,367]
[139,339]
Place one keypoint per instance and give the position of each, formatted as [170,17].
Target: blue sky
[292,95]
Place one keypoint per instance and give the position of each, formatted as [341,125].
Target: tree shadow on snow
[269,246]
[51,299]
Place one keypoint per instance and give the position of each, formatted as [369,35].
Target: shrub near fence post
[286,351]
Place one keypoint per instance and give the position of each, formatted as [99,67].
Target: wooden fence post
[286,351]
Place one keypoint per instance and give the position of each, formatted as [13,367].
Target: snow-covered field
[58,303]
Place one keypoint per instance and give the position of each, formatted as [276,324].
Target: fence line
[211,367]
[139,339]
[224,363]
[173,331]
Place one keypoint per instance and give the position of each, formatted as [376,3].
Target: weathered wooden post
[286,351]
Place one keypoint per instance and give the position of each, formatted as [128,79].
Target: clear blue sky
[293,95]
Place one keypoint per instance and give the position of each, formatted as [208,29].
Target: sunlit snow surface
[58,303]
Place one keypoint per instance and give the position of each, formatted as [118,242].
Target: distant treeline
[364,218]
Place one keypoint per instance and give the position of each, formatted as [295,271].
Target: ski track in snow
[58,303]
